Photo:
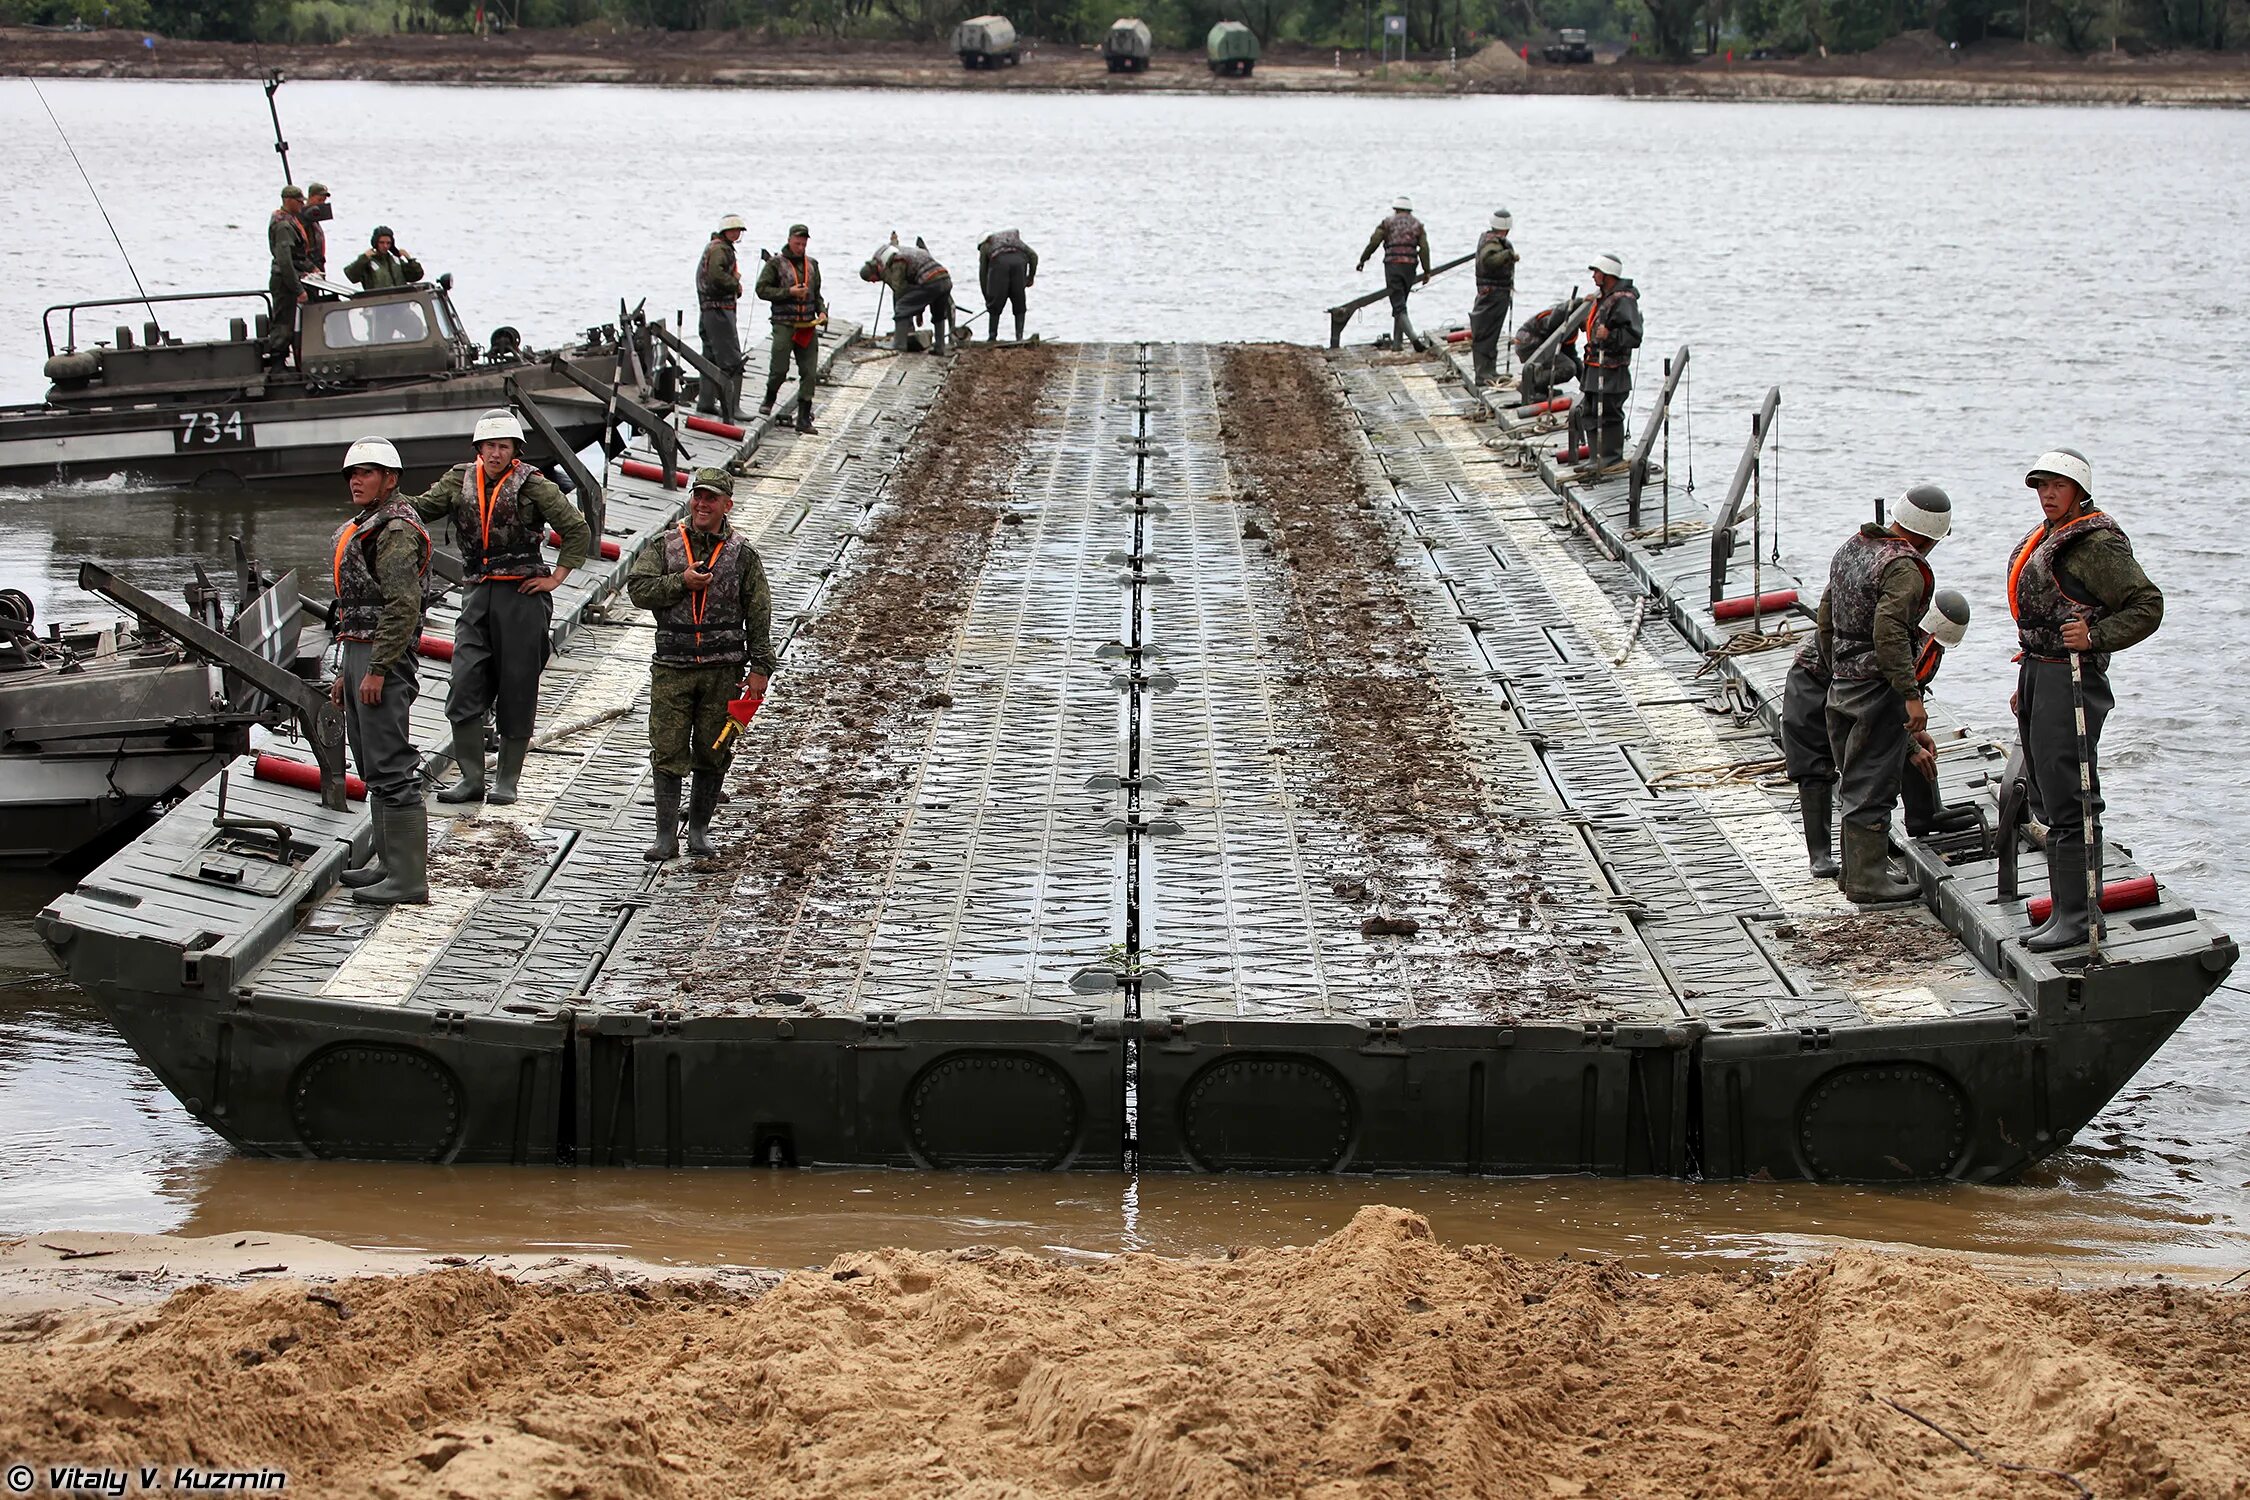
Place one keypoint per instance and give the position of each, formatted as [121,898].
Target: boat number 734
[211,429]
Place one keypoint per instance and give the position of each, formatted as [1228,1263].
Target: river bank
[1913,69]
[1376,1360]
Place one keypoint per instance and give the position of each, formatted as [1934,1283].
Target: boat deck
[1108,899]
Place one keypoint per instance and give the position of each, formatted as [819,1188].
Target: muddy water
[1940,293]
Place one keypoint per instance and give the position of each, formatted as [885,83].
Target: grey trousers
[934,297]
[500,646]
[1398,280]
[722,345]
[1488,319]
[1805,748]
[1004,283]
[381,743]
[2049,733]
[1867,732]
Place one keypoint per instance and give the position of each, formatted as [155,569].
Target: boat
[209,411]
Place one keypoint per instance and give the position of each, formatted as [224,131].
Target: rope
[1724,774]
[1633,633]
[1748,644]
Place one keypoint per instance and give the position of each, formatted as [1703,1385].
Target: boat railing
[71,310]
[1341,313]
[1742,497]
[1636,474]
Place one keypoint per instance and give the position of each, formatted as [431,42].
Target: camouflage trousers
[687,707]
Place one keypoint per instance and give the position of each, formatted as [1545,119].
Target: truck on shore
[1232,48]
[986,42]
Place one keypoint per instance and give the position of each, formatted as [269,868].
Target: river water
[1939,293]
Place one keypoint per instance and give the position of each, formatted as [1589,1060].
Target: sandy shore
[1907,70]
[1377,1361]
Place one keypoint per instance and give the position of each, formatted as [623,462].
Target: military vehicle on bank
[1572,48]
[1128,45]
[214,412]
[986,42]
[1232,48]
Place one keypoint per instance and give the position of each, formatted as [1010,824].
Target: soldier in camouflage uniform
[2075,589]
[918,284]
[1613,332]
[1540,377]
[379,563]
[1006,268]
[1880,588]
[790,281]
[289,243]
[382,264]
[718,286]
[318,211]
[714,622]
[1403,241]
[501,509]
[1496,291]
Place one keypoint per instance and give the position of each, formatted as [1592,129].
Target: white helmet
[373,452]
[1403,204]
[1608,265]
[2064,463]
[731,221]
[885,254]
[1503,221]
[498,423]
[1947,618]
[1925,510]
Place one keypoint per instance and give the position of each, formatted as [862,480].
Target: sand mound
[1377,1361]
[1496,62]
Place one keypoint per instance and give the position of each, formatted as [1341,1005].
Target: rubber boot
[1398,330]
[703,801]
[374,870]
[2070,922]
[1817,802]
[938,332]
[804,416]
[667,845]
[406,844]
[902,337]
[1867,867]
[773,389]
[468,758]
[992,334]
[512,753]
[1019,328]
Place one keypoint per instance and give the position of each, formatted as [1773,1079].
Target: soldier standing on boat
[318,211]
[714,618]
[1006,268]
[291,247]
[1496,291]
[1880,588]
[382,265]
[1810,759]
[380,561]
[1613,332]
[718,286]
[1403,241]
[791,282]
[918,284]
[501,509]
[2076,590]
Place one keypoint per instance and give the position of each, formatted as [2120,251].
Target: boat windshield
[354,326]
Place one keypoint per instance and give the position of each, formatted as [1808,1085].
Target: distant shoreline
[1891,75]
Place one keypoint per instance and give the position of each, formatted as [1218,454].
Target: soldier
[1496,290]
[380,561]
[714,615]
[918,284]
[1006,268]
[317,212]
[291,246]
[382,264]
[1811,761]
[1541,377]
[791,282]
[501,508]
[1879,588]
[1613,332]
[2076,590]
[1402,240]
[718,285]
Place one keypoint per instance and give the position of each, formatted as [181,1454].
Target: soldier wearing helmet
[1403,241]
[1612,333]
[714,621]
[718,287]
[2075,589]
[501,509]
[1880,590]
[1496,290]
[918,285]
[379,563]
[383,264]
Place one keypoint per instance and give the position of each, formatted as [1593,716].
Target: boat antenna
[81,166]
[274,80]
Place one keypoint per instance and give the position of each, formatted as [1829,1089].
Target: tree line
[1675,29]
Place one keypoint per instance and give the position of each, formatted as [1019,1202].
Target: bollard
[436,648]
[2117,895]
[1746,605]
[634,468]
[286,772]
[610,549]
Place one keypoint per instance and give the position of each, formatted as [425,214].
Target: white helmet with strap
[1947,618]
[2064,463]
[372,452]
[731,221]
[1503,221]
[1608,265]
[496,424]
[1924,510]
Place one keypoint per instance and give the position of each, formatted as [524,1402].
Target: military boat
[210,410]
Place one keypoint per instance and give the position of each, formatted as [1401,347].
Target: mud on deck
[1156,774]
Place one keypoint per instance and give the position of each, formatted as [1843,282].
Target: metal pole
[274,81]
[2086,807]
